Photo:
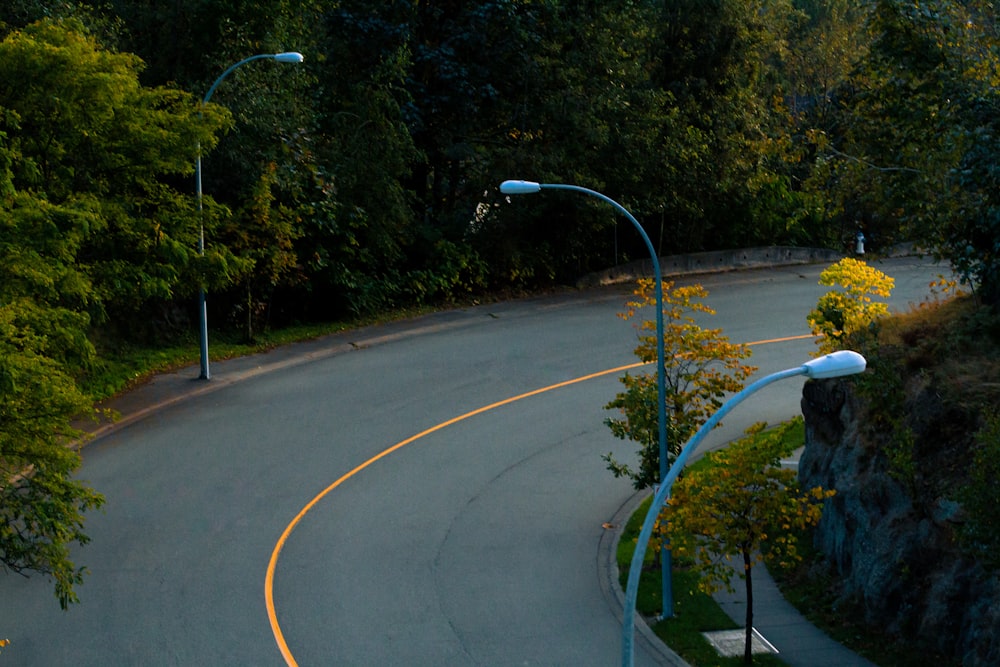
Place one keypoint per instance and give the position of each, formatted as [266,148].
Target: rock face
[892,545]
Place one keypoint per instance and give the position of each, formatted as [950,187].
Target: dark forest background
[366,177]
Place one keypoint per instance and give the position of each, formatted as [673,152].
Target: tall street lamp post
[528,187]
[837,364]
[285,57]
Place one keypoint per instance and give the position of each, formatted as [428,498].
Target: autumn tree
[262,235]
[701,368]
[741,501]
[851,309]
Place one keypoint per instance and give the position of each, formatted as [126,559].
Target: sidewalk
[799,642]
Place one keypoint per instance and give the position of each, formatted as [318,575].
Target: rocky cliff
[890,533]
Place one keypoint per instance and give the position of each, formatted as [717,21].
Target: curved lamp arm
[284,57]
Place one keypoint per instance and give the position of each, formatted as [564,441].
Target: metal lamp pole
[285,57]
[837,364]
[528,187]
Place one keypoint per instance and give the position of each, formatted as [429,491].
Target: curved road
[425,493]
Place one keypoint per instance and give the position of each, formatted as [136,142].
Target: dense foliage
[721,123]
[912,450]
[366,177]
[980,497]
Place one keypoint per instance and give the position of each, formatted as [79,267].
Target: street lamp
[837,364]
[285,57]
[528,187]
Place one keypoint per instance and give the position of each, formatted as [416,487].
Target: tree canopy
[42,341]
[84,133]
[719,124]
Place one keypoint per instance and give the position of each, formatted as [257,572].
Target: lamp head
[519,187]
[835,364]
[289,57]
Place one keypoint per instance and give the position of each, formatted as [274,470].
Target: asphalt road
[424,493]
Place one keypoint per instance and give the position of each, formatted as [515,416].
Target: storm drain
[731,643]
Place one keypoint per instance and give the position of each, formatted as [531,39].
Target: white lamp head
[519,187]
[289,57]
[835,364]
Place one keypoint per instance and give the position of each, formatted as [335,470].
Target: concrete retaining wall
[712,262]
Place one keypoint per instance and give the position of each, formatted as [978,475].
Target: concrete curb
[607,567]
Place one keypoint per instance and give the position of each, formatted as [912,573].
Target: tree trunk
[249,328]
[747,647]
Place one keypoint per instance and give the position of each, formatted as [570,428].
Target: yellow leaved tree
[727,510]
[851,309]
[702,368]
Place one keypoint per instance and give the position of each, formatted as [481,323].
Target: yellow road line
[271,566]
[786,339]
[272,615]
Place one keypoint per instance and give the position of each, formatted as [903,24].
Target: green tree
[886,166]
[723,168]
[89,225]
[823,50]
[81,128]
[702,367]
[740,501]
[356,242]
[910,146]
[43,296]
[499,88]
[970,237]
[825,47]
[271,107]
